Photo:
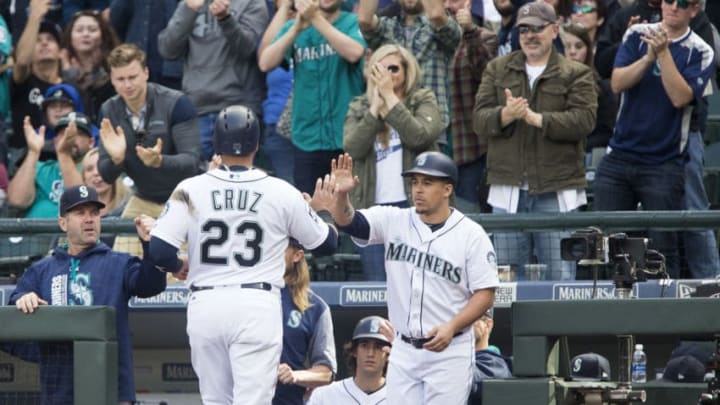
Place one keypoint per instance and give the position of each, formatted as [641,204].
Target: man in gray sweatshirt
[217,41]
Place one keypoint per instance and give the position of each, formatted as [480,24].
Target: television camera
[630,259]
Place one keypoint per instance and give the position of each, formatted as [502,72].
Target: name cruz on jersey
[403,253]
[235,199]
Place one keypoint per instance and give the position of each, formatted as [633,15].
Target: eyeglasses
[584,9]
[535,29]
[684,4]
[393,68]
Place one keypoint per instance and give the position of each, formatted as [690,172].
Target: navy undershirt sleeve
[359,227]
[164,255]
[329,245]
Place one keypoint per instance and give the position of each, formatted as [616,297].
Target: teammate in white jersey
[441,277]
[367,358]
[236,220]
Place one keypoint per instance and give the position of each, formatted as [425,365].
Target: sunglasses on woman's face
[583,9]
[393,68]
[681,3]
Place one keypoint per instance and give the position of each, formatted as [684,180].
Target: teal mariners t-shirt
[324,85]
[48,188]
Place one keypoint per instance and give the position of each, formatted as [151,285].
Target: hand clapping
[656,40]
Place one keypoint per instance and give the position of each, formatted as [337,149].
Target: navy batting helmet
[369,328]
[434,164]
[237,131]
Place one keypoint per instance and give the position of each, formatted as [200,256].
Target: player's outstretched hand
[144,224]
[29,302]
[341,170]
[323,197]
[441,337]
[286,375]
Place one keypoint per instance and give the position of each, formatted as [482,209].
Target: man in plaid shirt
[425,29]
[477,47]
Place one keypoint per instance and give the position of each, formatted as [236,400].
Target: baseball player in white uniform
[441,277]
[236,220]
[368,358]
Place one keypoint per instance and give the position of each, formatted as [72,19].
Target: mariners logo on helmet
[434,164]
[369,328]
[237,131]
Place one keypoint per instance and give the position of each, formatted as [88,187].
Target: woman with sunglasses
[591,14]
[385,130]
[87,41]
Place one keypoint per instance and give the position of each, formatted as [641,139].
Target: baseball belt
[419,342]
[257,286]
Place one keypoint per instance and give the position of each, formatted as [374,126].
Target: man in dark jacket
[507,34]
[85,271]
[536,109]
[149,131]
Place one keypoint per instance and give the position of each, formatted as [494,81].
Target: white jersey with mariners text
[346,392]
[237,225]
[430,275]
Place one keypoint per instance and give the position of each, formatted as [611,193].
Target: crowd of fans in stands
[122,95]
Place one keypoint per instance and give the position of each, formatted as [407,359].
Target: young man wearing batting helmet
[441,277]
[367,356]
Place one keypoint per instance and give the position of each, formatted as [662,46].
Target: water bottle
[639,365]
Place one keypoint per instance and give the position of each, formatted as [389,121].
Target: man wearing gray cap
[536,108]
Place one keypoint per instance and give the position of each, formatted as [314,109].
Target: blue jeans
[309,166]
[470,182]
[207,128]
[281,153]
[621,184]
[701,250]
[516,248]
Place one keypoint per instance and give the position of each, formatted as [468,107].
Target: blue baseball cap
[78,195]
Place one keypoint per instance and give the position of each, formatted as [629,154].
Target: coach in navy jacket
[86,271]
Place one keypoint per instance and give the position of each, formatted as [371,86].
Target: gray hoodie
[219,57]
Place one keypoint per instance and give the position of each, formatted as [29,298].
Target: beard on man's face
[412,9]
[505,9]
